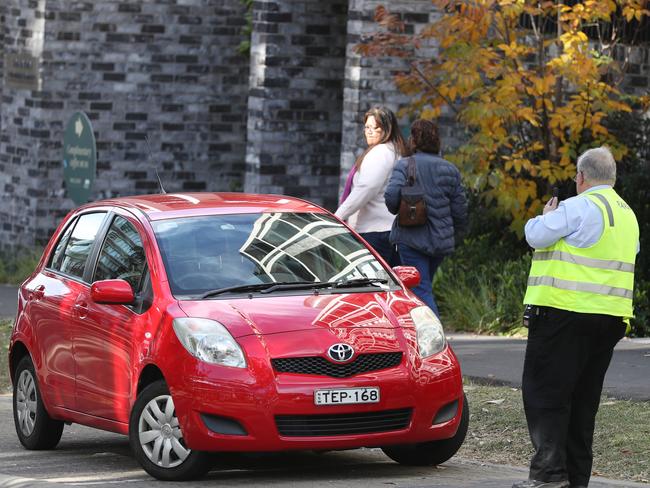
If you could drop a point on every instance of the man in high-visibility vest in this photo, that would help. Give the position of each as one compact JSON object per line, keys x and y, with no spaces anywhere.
{"x":578,"y":298}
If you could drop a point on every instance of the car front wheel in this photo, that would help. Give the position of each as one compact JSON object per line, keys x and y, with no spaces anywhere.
{"x":157,"y":441}
{"x":434,"y":452}
{"x":35,"y":428}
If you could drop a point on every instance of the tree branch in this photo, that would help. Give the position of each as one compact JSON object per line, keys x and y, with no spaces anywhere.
{"x":426,"y":81}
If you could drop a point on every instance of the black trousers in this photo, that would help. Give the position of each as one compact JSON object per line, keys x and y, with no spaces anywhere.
{"x":567,"y":356}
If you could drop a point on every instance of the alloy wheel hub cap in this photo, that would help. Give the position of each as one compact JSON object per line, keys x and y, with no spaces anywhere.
{"x":26,"y":402}
{"x":160,"y":434}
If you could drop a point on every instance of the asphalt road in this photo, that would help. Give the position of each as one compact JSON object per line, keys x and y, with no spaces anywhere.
{"x":88,"y":457}
{"x":8,"y":301}
{"x":500,"y":360}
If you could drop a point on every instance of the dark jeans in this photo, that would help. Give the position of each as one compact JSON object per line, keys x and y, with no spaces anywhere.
{"x":380,"y":243}
{"x":567,"y":356}
{"x":427,"y":266}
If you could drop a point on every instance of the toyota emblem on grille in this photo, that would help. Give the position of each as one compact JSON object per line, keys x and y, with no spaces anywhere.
{"x":340,"y":352}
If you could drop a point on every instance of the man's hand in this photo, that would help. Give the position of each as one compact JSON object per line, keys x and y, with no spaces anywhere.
{"x":550,"y":205}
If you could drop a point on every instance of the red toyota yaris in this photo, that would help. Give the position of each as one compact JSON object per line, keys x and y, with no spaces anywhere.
{"x":206,"y":322}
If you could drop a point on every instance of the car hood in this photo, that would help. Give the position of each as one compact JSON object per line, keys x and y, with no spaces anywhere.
{"x":279,"y":314}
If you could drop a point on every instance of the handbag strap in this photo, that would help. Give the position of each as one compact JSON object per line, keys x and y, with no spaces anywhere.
{"x":411,"y":171}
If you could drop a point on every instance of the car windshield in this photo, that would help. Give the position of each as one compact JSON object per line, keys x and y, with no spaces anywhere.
{"x":211,"y":253}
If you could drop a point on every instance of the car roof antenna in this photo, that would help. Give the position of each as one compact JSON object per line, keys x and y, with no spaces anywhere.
{"x":162,"y":189}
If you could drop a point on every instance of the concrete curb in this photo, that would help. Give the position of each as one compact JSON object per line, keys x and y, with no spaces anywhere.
{"x":459,"y":337}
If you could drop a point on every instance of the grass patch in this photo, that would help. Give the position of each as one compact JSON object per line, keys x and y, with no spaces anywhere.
{"x":17,"y":266}
{"x":498,"y":433}
{"x":5,"y":333}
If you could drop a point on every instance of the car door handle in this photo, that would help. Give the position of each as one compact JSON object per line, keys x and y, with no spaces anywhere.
{"x":37,"y":293}
{"x":82,"y":309}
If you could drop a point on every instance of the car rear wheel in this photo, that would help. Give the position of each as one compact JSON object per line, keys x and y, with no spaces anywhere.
{"x":35,"y":428}
{"x":157,"y":441}
{"x":434,"y":452}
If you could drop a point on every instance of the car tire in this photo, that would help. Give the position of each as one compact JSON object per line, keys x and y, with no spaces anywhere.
{"x":36,"y":430}
{"x":157,"y":441}
{"x":434,"y":452}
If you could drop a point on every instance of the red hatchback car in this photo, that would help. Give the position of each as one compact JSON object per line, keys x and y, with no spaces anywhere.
{"x":207,"y":322}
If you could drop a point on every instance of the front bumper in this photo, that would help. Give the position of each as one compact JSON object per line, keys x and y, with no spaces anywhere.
{"x":254,"y":397}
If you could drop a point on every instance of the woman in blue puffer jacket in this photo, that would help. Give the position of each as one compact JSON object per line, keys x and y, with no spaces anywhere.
{"x":425,"y":246}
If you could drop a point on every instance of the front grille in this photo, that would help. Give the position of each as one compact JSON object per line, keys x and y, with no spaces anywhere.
{"x":342,"y":424}
{"x":321,"y":366}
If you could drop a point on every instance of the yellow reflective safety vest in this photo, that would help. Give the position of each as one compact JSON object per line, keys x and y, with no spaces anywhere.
{"x":595,"y":279}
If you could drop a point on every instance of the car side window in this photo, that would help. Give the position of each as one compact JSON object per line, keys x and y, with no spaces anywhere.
{"x":72,"y":260}
{"x":122,"y":255}
{"x":57,"y":255}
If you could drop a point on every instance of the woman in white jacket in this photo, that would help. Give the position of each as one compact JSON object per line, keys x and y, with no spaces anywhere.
{"x":364,"y":190}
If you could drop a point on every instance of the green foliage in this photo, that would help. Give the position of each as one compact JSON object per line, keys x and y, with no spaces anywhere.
{"x":244,"y":47}
{"x":474,"y":287}
{"x":18,"y":265}
{"x":481,"y":287}
{"x":633,"y":184}
{"x":641,"y":321}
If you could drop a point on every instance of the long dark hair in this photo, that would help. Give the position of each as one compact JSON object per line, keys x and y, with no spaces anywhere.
{"x":385,"y":119}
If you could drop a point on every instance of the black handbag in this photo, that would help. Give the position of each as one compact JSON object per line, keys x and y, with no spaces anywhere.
{"x":412,"y":207}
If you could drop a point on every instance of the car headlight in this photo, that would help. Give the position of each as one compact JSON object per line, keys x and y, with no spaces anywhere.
{"x":209,"y":341}
{"x":431,"y":337}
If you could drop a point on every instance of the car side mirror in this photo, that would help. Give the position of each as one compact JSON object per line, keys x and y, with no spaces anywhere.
{"x":409,"y":275}
{"x":116,"y":292}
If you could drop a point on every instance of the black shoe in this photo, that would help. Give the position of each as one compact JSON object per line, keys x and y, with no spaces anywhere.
{"x":541,"y":484}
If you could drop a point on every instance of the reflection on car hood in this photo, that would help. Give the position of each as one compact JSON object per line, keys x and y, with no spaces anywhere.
{"x":272,"y":315}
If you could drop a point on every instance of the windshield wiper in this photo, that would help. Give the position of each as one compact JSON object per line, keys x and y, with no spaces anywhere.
{"x":261,"y":287}
{"x":358,"y":282}
{"x":249,"y":287}
{"x":297,"y":285}
{"x":294,"y":285}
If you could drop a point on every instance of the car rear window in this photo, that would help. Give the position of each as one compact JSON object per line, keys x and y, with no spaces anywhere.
{"x":218,"y":251}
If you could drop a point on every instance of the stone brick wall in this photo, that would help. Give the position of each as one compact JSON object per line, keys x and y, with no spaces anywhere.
{"x":288,"y":119}
{"x":3,"y":15}
{"x":25,"y":129}
{"x":369,"y":81}
{"x":163,"y":69}
{"x":295,"y":98}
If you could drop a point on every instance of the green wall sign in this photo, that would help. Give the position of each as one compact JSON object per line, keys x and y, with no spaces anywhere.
{"x":79,"y":158}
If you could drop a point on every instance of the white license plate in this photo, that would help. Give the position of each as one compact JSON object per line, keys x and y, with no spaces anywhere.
{"x":346,"y":396}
